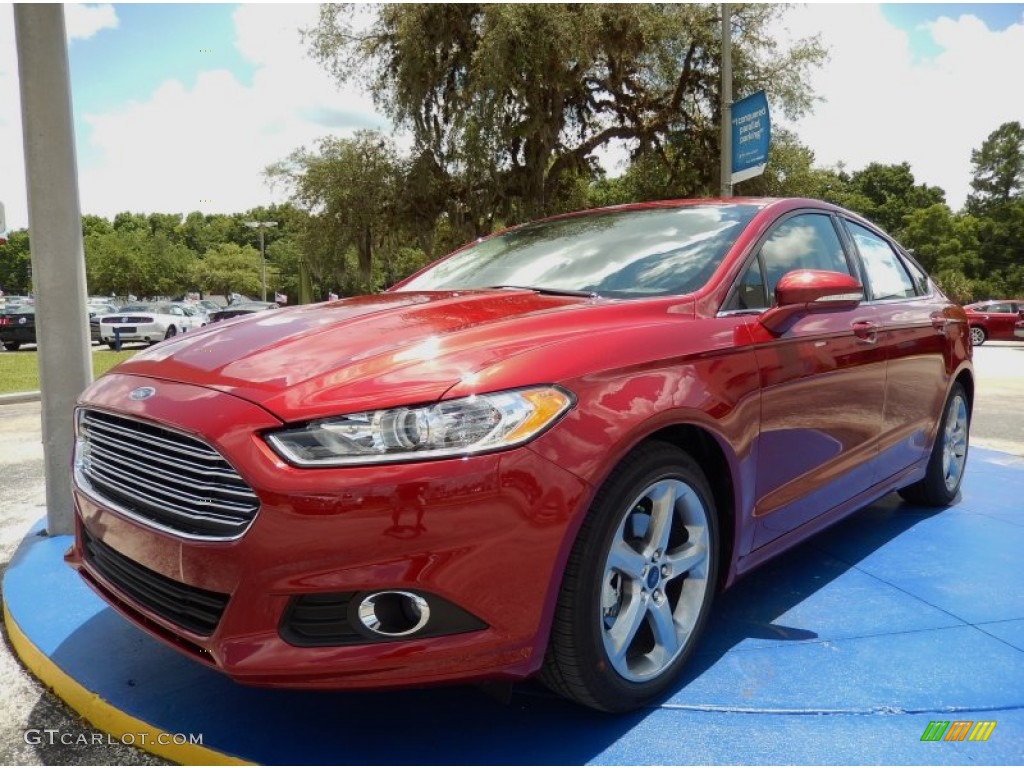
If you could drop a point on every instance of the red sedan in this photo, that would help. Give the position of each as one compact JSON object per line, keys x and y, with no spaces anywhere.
{"x":544,"y":453}
{"x":994,"y":319}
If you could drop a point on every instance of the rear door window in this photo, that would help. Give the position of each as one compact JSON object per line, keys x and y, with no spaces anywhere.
{"x":887,"y":276}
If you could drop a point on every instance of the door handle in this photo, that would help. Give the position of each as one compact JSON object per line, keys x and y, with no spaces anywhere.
{"x":865,"y":331}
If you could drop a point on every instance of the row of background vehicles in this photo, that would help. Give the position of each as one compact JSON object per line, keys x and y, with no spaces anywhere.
{"x":109,"y":322}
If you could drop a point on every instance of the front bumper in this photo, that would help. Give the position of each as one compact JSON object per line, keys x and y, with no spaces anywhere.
{"x":487,"y":534}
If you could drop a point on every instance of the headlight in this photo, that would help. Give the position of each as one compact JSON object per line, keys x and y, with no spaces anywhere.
{"x":462,"y":427}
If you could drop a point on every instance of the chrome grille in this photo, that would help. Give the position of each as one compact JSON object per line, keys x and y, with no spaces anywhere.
{"x":160,"y":476}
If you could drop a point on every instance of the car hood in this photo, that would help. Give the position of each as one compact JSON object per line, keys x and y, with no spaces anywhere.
{"x":367,"y":352}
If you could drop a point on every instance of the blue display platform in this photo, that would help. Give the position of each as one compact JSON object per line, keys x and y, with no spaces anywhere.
{"x":841,"y":652}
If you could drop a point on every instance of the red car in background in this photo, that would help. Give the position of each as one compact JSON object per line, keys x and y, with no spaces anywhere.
{"x":994,"y":319}
{"x":544,"y":453}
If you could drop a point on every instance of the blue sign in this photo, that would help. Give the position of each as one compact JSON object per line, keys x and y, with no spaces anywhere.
{"x":751,"y":133}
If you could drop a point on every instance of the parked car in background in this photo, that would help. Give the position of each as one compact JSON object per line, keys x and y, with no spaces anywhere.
{"x":96,"y":311}
{"x":196,"y":312}
{"x":993,"y":319}
{"x":544,"y":453}
{"x":147,"y":323}
{"x":242,"y":308}
{"x":18,"y":326}
{"x":1018,"y":329}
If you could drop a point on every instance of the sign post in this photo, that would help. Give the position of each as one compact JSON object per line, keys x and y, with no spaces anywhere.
{"x":751,"y":135}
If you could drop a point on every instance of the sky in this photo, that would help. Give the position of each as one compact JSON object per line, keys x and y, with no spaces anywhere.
{"x":180,"y":108}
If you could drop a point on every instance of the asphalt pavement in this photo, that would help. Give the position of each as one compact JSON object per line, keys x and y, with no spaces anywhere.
{"x":28,"y":711}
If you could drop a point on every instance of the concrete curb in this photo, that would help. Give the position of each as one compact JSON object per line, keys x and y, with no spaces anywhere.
{"x":19,"y":397}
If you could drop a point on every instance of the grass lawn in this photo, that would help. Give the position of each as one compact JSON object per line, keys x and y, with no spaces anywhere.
{"x":19,"y":371}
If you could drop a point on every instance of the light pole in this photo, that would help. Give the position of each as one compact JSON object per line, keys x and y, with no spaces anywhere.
{"x":262,"y":225}
{"x":726,"y":141}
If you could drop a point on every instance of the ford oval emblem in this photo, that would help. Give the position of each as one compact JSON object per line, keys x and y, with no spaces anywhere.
{"x":142,"y":393}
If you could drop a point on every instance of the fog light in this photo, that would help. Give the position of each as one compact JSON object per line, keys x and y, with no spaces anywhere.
{"x":394,"y":614}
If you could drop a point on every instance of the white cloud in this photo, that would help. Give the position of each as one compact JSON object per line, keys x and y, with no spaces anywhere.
{"x":885,"y":104}
{"x":208,"y":141}
{"x":205,"y":147}
{"x":84,"y":21}
{"x":80,"y":22}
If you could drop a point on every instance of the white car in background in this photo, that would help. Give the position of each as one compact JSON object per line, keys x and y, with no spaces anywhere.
{"x":147,"y":323}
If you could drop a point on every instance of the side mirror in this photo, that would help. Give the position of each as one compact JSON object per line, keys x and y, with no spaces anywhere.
{"x":804,"y":291}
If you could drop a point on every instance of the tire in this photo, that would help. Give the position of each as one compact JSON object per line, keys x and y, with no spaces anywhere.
{"x":941,"y":482}
{"x":112,"y":345}
{"x":12,"y":346}
{"x":978,"y":335}
{"x":636,"y":594}
{"x":171,"y":332}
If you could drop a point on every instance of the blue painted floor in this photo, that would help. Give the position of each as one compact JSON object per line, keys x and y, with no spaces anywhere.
{"x":841,"y":652}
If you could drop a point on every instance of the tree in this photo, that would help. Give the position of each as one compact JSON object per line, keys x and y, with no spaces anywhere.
{"x":997,"y":168}
{"x":886,"y":194}
{"x":507,"y":103}
{"x":351,"y":188}
{"x":943,"y":241}
{"x":16,"y":263}
{"x":131,"y":260}
{"x":229,"y":268}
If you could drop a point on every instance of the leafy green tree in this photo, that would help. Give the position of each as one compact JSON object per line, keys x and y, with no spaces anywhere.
{"x":16,"y":264}
{"x":130,"y":222}
{"x":886,"y":194}
{"x":942,"y":240}
{"x":95,"y":225}
{"x":998,"y":168}
{"x":229,"y":268}
{"x":506,"y":102}
{"x":283,"y":257}
{"x":133,"y":261}
{"x":351,"y":188}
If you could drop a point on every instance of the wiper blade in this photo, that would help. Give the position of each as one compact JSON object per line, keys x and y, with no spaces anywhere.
{"x":548,"y":291}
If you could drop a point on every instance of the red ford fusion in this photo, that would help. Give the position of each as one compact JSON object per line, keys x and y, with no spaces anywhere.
{"x":543,"y":454}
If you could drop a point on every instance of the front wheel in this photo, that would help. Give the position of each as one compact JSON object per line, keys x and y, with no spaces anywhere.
{"x":171,"y":332}
{"x":978,"y":335}
{"x":941,"y":482}
{"x":638,"y":585}
{"x":12,"y":346}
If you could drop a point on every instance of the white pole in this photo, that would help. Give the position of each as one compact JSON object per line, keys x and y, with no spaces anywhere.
{"x":55,"y":233}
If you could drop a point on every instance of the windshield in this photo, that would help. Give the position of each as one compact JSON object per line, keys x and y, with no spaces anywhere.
{"x":618,"y":254}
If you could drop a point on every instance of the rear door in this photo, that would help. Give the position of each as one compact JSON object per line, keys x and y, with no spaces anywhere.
{"x":823,"y":383}
{"x":915,"y":335}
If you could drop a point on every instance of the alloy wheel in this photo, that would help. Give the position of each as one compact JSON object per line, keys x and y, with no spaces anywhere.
{"x":954,"y":442}
{"x":655,"y":580}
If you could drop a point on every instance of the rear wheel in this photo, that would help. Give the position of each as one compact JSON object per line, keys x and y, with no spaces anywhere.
{"x":12,"y":346}
{"x":941,"y":482}
{"x":638,"y":585}
{"x":171,"y":332}
{"x":978,"y":335}
{"x":112,"y":345}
